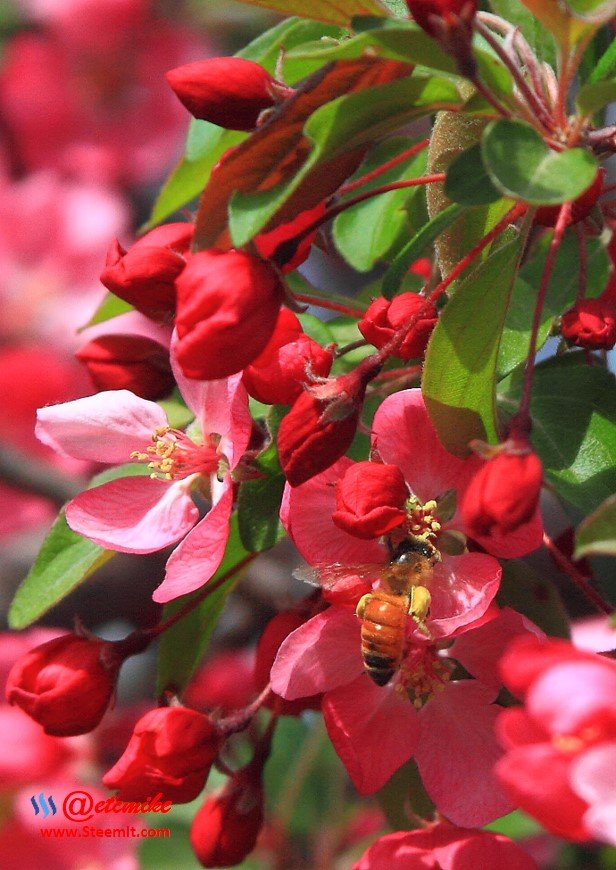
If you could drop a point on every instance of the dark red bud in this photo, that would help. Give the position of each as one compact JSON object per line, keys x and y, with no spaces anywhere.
{"x":370,"y":499}
{"x":384,"y":317}
{"x":65,"y":684}
{"x":171,"y":751}
{"x":591,"y":323}
{"x":288,"y":361}
{"x":547,"y":215}
{"x":128,"y":362}
{"x":504,"y":493}
{"x":227,"y":307}
{"x":228,"y":91}
{"x":423,"y":12}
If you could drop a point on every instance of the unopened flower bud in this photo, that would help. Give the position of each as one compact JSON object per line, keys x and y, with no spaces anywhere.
{"x":384,"y":317}
{"x":227,"y":307}
{"x":228,"y":91}
{"x":171,"y":751}
{"x":321,"y":425}
{"x":226,"y":828}
{"x":145,"y":275}
{"x":591,"y":323}
{"x":370,"y":499}
{"x":128,"y":362}
{"x":288,"y":361}
{"x":547,"y":215}
{"x":504,"y":493}
{"x":281,"y":245}
{"x":425,"y":11}
{"x":65,"y":684}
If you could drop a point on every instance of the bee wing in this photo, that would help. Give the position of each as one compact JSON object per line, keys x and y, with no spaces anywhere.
{"x":326,"y":576}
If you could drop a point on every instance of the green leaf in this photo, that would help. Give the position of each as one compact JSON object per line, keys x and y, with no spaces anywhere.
{"x":597,"y":533}
{"x":467,"y":181}
{"x":64,"y":562}
{"x":459,"y":374}
{"x":110,"y":307}
{"x":521,"y":165}
{"x":606,"y":66}
{"x":405,"y":786}
{"x":259,"y":500}
{"x":416,"y":246}
{"x":341,"y":126}
{"x":367,"y":232}
{"x":182,"y":646}
{"x":595,"y":96}
{"x":561,"y":294}
{"x":341,"y":12}
{"x":206,"y":143}
{"x":573,"y":408}
{"x":535,"y":596}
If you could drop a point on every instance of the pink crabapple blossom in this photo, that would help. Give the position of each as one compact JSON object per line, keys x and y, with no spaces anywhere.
{"x":560,"y":760}
{"x":138,"y":514}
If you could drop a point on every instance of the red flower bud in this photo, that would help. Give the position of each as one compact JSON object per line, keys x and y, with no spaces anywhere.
{"x":321,"y":425}
{"x":128,"y":362}
{"x":591,"y":323}
{"x":384,"y":317}
{"x":65,"y":684}
{"x":171,"y":751}
{"x":547,"y":215}
{"x":370,"y":499}
{"x":290,"y":357}
{"x":227,"y":307}
{"x":226,"y":828}
{"x":423,"y":11}
{"x":504,"y":493}
{"x":276,"y":630}
{"x":228,"y":91}
{"x":280,"y":244}
{"x":145,"y":275}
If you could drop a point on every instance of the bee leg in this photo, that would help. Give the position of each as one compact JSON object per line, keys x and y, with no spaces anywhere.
{"x":419,"y":607}
{"x":362,"y":604}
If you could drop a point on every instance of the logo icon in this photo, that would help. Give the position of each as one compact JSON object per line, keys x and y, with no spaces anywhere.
{"x":47,"y":805}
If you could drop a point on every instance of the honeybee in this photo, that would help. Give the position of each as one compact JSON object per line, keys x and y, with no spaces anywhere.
{"x":402,"y":592}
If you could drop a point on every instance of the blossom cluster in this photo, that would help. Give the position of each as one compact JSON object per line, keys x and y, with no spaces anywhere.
{"x":219,"y":405}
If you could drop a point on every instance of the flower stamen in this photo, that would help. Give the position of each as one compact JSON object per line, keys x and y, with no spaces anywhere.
{"x":173,"y":455}
{"x":421,"y":521}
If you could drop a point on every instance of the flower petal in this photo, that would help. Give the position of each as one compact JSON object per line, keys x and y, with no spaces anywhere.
{"x":199,"y":555}
{"x":373,"y":730}
{"x":479,"y":649}
{"x":106,"y":427}
{"x":456,"y":752}
{"x":133,"y":514}
{"x":307,"y":516}
{"x":404,"y":436}
{"x":462,"y":589}
{"x":322,"y":654}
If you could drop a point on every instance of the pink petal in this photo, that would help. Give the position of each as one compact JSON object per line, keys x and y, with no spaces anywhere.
{"x":307,"y":515}
{"x":131,"y":323}
{"x":593,"y":778}
{"x":514,"y":727}
{"x":480,"y":649}
{"x":462,"y":589}
{"x":456,"y":752}
{"x":520,"y":542}
{"x":220,"y":406}
{"x":320,"y":655}
{"x":199,"y":555}
{"x":133,"y":514}
{"x":594,"y":634}
{"x":373,"y":730}
{"x":536,"y":778}
{"x":106,"y":427}
{"x":404,"y":436}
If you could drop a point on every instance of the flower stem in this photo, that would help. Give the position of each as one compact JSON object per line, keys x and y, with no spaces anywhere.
{"x":522,"y":418}
{"x":385,"y":167}
{"x":567,"y":566}
{"x":320,"y":302}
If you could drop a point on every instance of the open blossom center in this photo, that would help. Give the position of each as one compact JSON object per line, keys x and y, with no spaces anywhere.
{"x":422,"y":522}
{"x":422,"y":675}
{"x":173,"y":455}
